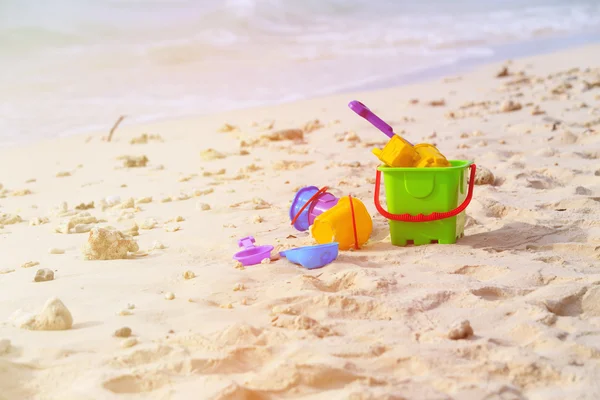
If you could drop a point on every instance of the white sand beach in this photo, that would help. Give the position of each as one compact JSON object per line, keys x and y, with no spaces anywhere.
{"x":378,"y":322}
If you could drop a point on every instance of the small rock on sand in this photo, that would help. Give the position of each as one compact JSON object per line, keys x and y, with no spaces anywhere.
{"x":134,"y":161}
{"x":83,"y":228}
{"x":54,"y":317}
{"x":84,"y":206}
{"x":124,"y":332}
{"x":9,"y":219}
{"x":35,"y":221}
{"x":503,"y":72}
{"x":104,"y":244}
{"x":202,"y":206}
{"x":149,"y":223}
{"x":509,"y":106}
{"x":537,"y":111}
{"x":227,"y":128}
{"x":125,"y":204}
{"x":4,"y":271}
{"x":23,"y":192}
{"x":143,"y":200}
{"x":312,"y":126}
{"x":437,"y":103}
{"x":169,"y":296}
{"x":144,"y":138}
{"x":483,"y":176}
{"x":30,"y":264}
{"x":63,"y":174}
{"x":182,"y":196}
{"x":286,"y":134}
{"x":239,"y":287}
{"x":199,"y":192}
{"x":460,"y":330}
{"x":172,"y":228}
{"x":189,"y":275}
{"x":44,"y":275}
{"x":54,"y":250}
{"x":81,"y":223}
{"x":158,"y":245}
{"x":211,"y":154}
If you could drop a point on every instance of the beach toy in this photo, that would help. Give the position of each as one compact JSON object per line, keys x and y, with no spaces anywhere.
{"x":308,"y":203}
{"x":370,"y":116}
{"x":426,"y":205}
{"x":430,"y":156}
{"x":312,"y":257}
{"x":251,"y":254}
{"x":348,"y":223}
{"x":399,"y":152}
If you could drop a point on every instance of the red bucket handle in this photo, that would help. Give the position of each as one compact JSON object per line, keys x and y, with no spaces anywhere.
{"x":435,"y":216}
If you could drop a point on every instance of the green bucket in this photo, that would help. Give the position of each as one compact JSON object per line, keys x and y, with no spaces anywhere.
{"x":426,"y":205}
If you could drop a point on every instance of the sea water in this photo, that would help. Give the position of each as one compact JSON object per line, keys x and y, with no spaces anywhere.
{"x":70,"y":66}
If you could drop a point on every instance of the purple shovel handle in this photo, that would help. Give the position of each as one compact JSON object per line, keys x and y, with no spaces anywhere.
{"x":367,"y":114}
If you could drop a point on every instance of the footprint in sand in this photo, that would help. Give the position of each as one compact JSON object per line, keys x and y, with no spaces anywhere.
{"x":562,"y":300}
{"x":552,"y":260}
{"x":142,"y":357}
{"x":588,"y":155}
{"x":537,"y":180}
{"x":136,"y":383}
{"x":482,"y":272}
{"x":237,"y":361}
{"x":576,"y":250}
{"x":287,"y":375}
{"x":361,"y":281}
{"x":494,"y":293}
{"x":337,"y":307}
{"x":584,"y":205}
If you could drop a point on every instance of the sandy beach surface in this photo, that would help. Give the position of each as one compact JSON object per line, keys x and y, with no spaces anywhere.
{"x":383,"y":322}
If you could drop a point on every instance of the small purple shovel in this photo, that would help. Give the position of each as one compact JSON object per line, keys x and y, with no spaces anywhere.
{"x":367,"y":114}
{"x":252,"y":254}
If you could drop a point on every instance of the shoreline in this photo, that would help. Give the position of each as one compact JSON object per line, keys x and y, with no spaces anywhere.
{"x":174,"y":316}
{"x":502,"y":52}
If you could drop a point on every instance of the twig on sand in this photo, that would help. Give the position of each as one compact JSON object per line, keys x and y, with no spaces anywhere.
{"x":115,"y":126}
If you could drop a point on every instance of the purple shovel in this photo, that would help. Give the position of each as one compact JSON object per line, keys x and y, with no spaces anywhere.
{"x":367,"y":114}
{"x":251,"y":254}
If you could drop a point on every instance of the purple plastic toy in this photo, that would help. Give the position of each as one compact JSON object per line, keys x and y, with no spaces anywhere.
{"x":370,"y":116}
{"x":322,"y":203}
{"x":251,"y":254}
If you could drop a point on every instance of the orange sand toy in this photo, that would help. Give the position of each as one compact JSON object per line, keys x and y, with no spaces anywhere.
{"x":430,"y":156}
{"x":398,"y":153}
{"x":348,"y":223}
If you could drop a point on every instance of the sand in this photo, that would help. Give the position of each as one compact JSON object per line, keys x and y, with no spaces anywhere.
{"x":512,"y":311}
